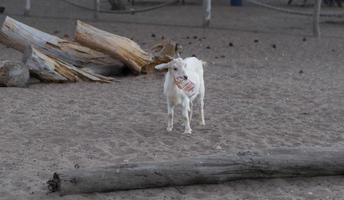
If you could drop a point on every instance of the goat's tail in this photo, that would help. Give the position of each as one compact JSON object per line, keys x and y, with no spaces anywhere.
{"x":204,"y":63}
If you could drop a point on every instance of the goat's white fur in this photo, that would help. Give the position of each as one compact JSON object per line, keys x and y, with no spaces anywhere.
{"x":192,"y":68}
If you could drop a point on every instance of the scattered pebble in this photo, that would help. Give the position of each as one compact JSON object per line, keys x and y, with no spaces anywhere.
{"x":274,"y":46}
{"x":153,"y":35}
{"x":2,"y":9}
{"x":256,"y":41}
{"x":200,"y":39}
{"x":76,"y":166}
{"x":216,"y":57}
{"x":187,"y":37}
{"x":218,"y":147}
{"x":208,"y":47}
{"x":190,"y":43}
{"x":301,"y":71}
{"x":310,"y":193}
{"x":195,"y":37}
{"x":223,"y":56}
{"x":333,"y":50}
{"x":230,"y":44}
{"x":304,"y":39}
{"x":204,"y":38}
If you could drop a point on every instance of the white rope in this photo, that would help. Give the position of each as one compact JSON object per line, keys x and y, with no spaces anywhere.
{"x":131,"y":11}
{"x":295,"y":12}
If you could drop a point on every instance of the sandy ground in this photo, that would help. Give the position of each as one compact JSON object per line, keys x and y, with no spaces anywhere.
{"x":256,"y":98}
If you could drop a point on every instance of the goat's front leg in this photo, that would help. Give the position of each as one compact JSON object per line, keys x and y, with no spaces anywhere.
{"x":190,"y":113}
{"x":170,"y":111}
{"x":186,"y":109}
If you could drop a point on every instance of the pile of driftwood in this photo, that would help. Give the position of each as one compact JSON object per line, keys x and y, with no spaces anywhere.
{"x":95,"y":55}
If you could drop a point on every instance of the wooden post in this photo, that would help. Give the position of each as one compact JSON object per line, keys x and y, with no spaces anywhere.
{"x":206,"y":13}
{"x":316,"y":18}
{"x":27,"y":8}
{"x":271,"y":163}
{"x":96,"y":8}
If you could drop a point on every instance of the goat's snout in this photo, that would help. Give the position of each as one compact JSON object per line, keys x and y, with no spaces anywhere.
{"x":185,"y":77}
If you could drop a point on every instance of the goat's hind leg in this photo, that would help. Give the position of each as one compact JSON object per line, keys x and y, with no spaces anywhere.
{"x":201,"y":99}
{"x":202,"y":112}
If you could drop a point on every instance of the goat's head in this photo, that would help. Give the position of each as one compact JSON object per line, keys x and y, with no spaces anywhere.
{"x":177,"y":68}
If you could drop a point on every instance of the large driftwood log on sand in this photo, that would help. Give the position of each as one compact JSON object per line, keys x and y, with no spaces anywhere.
{"x":121,"y":48}
{"x":48,"y":69}
{"x":124,"y":49}
{"x":20,"y":36}
{"x":273,"y":163}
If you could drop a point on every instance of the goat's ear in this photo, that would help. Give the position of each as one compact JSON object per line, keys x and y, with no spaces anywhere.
{"x":162,"y":66}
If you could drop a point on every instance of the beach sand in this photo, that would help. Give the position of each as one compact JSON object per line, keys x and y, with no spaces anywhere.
{"x":257,"y":97}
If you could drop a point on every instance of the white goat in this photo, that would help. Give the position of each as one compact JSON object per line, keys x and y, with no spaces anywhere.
{"x":183,"y":83}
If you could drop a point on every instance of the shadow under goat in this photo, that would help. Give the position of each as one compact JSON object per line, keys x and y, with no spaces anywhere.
{"x":184,"y":82}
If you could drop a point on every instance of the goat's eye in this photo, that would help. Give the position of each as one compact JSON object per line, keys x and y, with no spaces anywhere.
{"x":175,"y":69}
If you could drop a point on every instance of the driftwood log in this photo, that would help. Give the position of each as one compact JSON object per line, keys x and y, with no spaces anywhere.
{"x":13,"y":74}
{"x":273,"y":163}
{"x":126,"y":50}
{"x":121,"y":48}
{"x":20,"y":36}
{"x":48,"y":69}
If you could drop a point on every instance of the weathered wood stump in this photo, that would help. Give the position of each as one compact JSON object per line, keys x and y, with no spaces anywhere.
{"x":273,"y":163}
{"x":13,"y":74}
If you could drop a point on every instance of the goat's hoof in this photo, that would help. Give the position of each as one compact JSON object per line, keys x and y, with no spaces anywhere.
{"x":203,"y":123}
{"x":188,"y":131}
{"x":169,"y":129}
